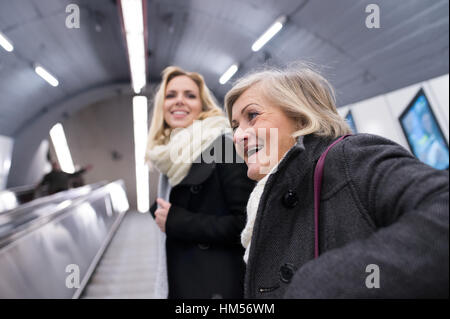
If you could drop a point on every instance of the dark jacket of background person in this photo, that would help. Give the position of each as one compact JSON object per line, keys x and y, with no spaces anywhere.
{"x":379,"y":205}
{"x":208,"y":213}
{"x":57,"y":180}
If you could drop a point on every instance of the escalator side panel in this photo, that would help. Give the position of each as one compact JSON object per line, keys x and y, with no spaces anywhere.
{"x":34,"y":266}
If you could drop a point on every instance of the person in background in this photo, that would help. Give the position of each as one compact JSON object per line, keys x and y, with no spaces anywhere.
{"x":77,"y":181}
{"x":56,"y":180}
{"x":200,"y":208}
{"x":382,"y":227}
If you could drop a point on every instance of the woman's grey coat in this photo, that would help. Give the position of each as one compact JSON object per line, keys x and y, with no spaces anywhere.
{"x":383,"y":221}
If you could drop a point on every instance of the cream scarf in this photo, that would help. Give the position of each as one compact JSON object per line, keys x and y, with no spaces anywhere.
{"x":185,"y":145}
{"x":252,"y":209}
{"x":253,"y":204}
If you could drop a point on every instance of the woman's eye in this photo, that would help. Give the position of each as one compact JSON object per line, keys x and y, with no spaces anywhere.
{"x":169,"y":96}
{"x":252,"y":115}
{"x":190,"y":95}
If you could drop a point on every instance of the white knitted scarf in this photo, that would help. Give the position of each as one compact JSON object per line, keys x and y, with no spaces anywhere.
{"x":253,"y":204}
{"x":252,"y":209}
{"x":185,"y":145}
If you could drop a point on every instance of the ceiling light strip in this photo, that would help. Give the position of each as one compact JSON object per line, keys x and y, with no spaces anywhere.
{"x":228,"y":74}
{"x":132,"y":12}
{"x":140,"y":126}
{"x":6,"y":43}
{"x":62,"y":148}
{"x":47,"y":76}
{"x":269,"y":33}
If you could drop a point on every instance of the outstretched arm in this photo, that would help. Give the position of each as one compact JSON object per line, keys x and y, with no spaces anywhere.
{"x":408,"y":201}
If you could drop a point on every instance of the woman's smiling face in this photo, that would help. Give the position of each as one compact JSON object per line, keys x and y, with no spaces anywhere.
{"x":182,"y":102}
{"x":262,"y":132}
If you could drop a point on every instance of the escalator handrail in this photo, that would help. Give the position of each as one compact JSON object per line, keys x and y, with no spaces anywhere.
{"x":32,"y":225}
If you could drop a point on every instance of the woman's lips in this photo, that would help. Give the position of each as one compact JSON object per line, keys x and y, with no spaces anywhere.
{"x":252,"y":151}
{"x":179,"y":114}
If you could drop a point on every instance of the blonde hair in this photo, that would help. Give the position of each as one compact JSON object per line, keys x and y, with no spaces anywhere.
{"x":159,"y":130}
{"x":301,"y":92}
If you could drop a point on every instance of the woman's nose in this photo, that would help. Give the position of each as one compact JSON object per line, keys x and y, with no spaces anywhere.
{"x":179,"y":100}
{"x":239,"y":136}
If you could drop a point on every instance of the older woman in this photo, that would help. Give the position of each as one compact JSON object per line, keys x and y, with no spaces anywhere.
{"x":202,"y":193}
{"x":382,"y":228}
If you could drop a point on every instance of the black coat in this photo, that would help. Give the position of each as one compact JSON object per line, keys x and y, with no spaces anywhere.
{"x":379,"y":206}
{"x":204,"y":223}
{"x":58,"y":180}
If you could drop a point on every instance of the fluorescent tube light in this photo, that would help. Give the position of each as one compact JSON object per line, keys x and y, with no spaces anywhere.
{"x":133,"y":18}
{"x":140,"y":143}
{"x":269,"y":34}
{"x":6,"y":43}
{"x":136,"y":54}
{"x":133,"y":21}
{"x":228,"y":74}
{"x":47,"y":76}
{"x":61,"y":148}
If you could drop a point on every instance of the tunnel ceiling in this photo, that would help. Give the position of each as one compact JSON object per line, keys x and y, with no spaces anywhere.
{"x":207,"y":36}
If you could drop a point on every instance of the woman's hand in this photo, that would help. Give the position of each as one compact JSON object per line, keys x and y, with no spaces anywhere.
{"x":161,"y":213}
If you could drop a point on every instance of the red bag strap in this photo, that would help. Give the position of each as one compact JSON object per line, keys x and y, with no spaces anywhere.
{"x":318,"y":173}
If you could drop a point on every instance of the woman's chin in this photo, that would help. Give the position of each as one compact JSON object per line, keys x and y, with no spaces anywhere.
{"x":180,"y":123}
{"x":254,"y":173}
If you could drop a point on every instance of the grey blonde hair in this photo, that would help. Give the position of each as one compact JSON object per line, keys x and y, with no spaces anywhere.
{"x":301,"y":92}
{"x":159,"y":131}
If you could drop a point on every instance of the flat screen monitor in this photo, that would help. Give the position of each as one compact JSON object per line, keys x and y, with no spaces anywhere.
{"x":351,"y":122}
{"x":423,"y":133}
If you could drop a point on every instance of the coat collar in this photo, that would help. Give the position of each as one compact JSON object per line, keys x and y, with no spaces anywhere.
{"x":314,"y":146}
{"x":293,"y":168}
{"x":201,"y":169}
{"x":198,"y":173}
{"x":306,"y":151}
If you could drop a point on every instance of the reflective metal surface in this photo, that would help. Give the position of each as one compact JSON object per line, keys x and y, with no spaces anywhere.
{"x":14,"y":207}
{"x":7,"y":201}
{"x":37,"y":245}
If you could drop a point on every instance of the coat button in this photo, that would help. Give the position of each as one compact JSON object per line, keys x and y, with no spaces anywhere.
{"x":203,"y":246}
{"x":195,"y":189}
{"x":287,"y":272}
{"x":290,"y":199}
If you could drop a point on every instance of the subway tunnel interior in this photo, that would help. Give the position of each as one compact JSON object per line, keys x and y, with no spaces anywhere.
{"x":376,"y":70}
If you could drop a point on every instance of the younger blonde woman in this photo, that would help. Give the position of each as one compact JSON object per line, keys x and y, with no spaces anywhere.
{"x":202,"y":193}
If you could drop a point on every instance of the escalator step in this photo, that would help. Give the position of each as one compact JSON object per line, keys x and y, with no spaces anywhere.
{"x":127,"y":267}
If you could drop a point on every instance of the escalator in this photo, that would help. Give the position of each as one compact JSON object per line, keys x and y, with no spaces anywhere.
{"x":127,"y":268}
{"x":77,"y":243}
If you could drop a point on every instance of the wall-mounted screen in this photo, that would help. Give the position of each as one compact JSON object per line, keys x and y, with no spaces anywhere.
{"x":423,"y":132}
{"x":351,"y":122}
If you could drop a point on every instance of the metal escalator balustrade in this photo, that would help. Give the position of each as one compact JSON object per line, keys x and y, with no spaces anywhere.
{"x":40,"y":257}
{"x":21,"y":219}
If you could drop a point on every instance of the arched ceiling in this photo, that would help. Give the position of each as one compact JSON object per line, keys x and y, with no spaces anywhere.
{"x":207,"y":36}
